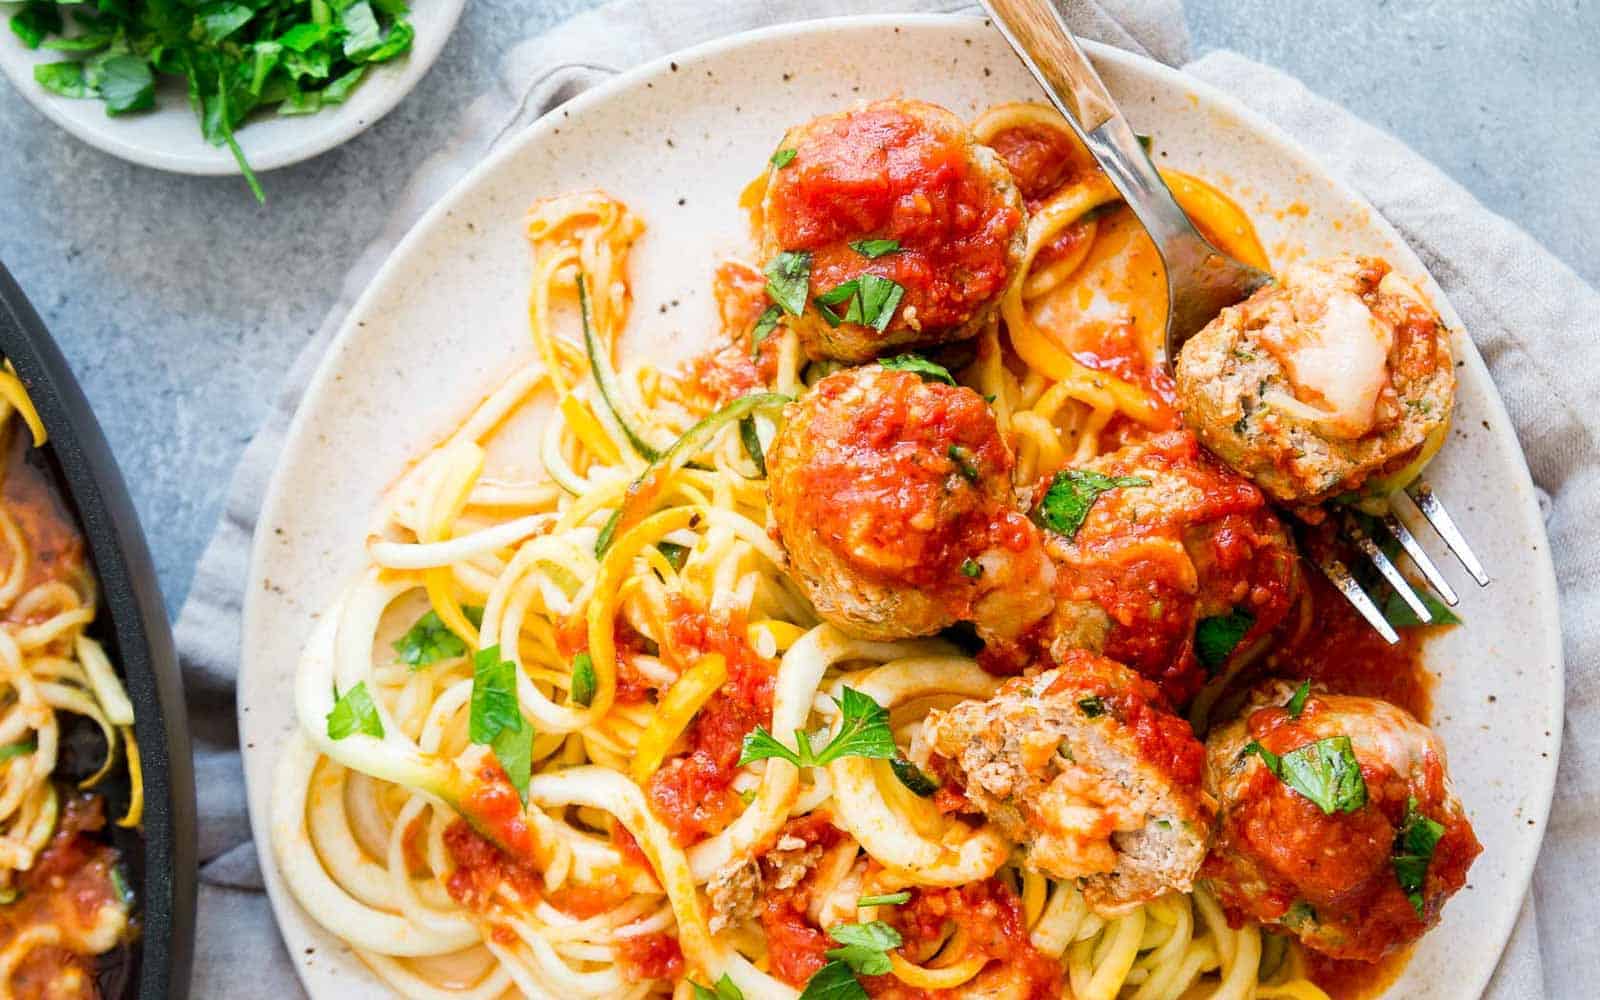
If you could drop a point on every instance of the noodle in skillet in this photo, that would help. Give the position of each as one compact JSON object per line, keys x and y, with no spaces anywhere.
{"x":641,"y":561}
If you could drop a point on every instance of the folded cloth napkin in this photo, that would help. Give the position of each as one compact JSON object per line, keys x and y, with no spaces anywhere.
{"x":1529,"y":315}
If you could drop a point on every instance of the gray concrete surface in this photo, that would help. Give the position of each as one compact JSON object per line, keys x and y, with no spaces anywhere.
{"x":180,"y":303}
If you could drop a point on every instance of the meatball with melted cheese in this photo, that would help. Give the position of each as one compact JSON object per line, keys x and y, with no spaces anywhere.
{"x":1159,"y":560}
{"x":1087,"y":767}
{"x":1335,"y":381}
{"x":892,"y":497}
{"x":908,"y":230}
{"x":1337,"y":822}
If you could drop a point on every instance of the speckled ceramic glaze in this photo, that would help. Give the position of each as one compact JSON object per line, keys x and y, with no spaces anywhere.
{"x":677,"y":139}
{"x":168,"y":138}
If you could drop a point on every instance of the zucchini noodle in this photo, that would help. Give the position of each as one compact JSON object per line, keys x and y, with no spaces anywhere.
{"x":601,"y":554}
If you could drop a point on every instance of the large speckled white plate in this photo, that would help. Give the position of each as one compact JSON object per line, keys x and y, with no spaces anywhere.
{"x":677,"y":139}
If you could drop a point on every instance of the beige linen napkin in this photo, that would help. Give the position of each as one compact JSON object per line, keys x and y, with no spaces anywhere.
{"x":1524,"y":308}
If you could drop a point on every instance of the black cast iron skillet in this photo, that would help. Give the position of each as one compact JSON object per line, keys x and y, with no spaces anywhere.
{"x":133,"y":625}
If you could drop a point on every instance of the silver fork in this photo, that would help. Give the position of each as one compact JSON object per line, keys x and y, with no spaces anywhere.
{"x":1202,"y":281}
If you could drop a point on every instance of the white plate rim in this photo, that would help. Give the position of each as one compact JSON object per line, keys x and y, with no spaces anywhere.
{"x":1548,"y":629}
{"x":384,"y":87}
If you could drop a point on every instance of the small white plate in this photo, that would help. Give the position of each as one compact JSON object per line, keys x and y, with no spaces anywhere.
{"x":168,"y":137}
{"x":677,"y":139}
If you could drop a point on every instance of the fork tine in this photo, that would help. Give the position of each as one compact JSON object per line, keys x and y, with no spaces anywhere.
{"x":1413,"y":548}
{"x":1397,"y":580}
{"x":1340,"y":577}
{"x":1429,"y":504}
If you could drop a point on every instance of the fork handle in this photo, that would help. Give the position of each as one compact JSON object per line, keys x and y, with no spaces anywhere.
{"x":1041,"y":39}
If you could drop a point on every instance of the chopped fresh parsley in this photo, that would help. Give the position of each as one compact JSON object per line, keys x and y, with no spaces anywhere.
{"x":886,"y":899}
{"x":1298,"y":914}
{"x":750,"y":438}
{"x":1072,"y":492}
{"x":783,"y":157}
{"x":1215,"y":638}
{"x":583,"y":679}
{"x":789,"y":279}
{"x":966,"y":462}
{"x":765,"y":324}
{"x":723,"y":990}
{"x":354,"y":713}
{"x":875,"y":248}
{"x":872,"y":300}
{"x":428,"y":641}
{"x":864,"y":732}
{"x":971,"y":568}
{"x":1297,"y":701}
{"x":1400,"y":615}
{"x":21,"y":748}
{"x":834,"y":981}
{"x":238,"y":59}
{"x":1413,"y":850}
{"x":912,"y":777}
{"x":866,"y":946}
{"x":929,"y":370}
{"x":496,"y":720}
{"x":1092,"y":706}
{"x":1326,"y":772}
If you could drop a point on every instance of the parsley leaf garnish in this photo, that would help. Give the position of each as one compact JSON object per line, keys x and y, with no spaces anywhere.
{"x":874,"y":248}
{"x":1326,"y":772}
{"x":750,"y":440}
{"x":676,"y":554}
{"x":496,"y":719}
{"x":788,"y":280}
{"x":971,"y":568}
{"x":353,"y":713}
{"x":922,"y":366}
{"x":1216,"y":637}
{"x":783,"y":157}
{"x":427,"y":642}
{"x":966,"y":462}
{"x":723,"y":990}
{"x":237,"y":59}
{"x":866,"y":946}
{"x":864,"y":732}
{"x":886,"y":899}
{"x":1414,"y":845}
{"x":879,"y":298}
{"x":1072,"y":492}
{"x":1092,"y":706}
{"x":834,"y":981}
{"x":21,"y":748}
{"x":1297,"y":701}
{"x":765,"y":324}
{"x":583,"y":679}
{"x":1400,"y":615}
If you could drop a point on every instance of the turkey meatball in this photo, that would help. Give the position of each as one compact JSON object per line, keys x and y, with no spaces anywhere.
{"x":892,"y":497}
{"x":901,"y":228}
{"x":1336,"y":823}
{"x":1085,"y":766}
{"x":1173,"y":544}
{"x":1337,"y":381}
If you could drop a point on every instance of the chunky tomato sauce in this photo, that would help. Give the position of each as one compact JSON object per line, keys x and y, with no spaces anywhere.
{"x":1197,"y":541}
{"x":68,"y":886}
{"x":645,"y":957}
{"x":989,"y":916}
{"x":1361,"y":911}
{"x":795,"y":946}
{"x":896,"y":170}
{"x":693,"y":792}
{"x":903,"y":488}
{"x":1041,"y":158}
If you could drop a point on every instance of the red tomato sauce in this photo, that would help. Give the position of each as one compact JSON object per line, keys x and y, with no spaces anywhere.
{"x":67,"y":887}
{"x":54,"y":546}
{"x":649,"y":956}
{"x":1165,"y":740}
{"x":633,"y":687}
{"x":1041,"y":158}
{"x":885,"y":172}
{"x":795,"y":946}
{"x":990,"y":917}
{"x":693,"y":792}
